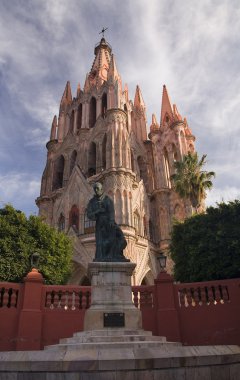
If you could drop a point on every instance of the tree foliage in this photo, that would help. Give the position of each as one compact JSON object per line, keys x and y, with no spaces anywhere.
{"x":190,"y":181}
{"x":207,"y":246}
{"x":20,"y":237}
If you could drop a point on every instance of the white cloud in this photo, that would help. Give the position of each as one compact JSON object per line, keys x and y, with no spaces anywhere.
{"x":224,"y":194}
{"x":19,"y":189}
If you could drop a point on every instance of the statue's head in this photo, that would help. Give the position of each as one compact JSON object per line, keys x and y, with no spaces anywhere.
{"x":97,"y":187}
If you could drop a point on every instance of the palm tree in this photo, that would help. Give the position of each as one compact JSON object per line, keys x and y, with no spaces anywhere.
{"x":190,"y":181}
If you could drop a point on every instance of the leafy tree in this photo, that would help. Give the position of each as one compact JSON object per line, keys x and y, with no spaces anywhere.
{"x":20,"y":237}
{"x":207,"y":246}
{"x":190,"y":181}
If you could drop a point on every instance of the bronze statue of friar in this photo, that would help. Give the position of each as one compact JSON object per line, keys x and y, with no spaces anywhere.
{"x":110,"y":241}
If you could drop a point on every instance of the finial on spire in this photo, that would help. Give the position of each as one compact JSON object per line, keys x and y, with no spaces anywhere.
{"x":103,"y":31}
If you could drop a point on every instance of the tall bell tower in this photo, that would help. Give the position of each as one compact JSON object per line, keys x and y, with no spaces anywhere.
{"x":101,"y":136}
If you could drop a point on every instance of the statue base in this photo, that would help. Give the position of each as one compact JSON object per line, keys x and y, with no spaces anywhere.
{"x":111,"y":298}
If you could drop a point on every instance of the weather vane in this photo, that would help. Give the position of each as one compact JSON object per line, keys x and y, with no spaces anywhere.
{"x":102,"y":31}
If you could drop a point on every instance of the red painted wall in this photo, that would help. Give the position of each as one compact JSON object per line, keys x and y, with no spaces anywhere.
{"x":33,"y":315}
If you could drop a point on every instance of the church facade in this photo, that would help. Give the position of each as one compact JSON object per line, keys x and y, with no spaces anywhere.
{"x":101,"y":136}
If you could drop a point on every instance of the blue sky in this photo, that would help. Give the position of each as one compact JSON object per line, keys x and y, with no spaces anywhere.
{"x":191,"y":46}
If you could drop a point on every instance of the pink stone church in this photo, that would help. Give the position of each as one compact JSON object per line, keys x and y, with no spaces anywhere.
{"x":102,"y":136}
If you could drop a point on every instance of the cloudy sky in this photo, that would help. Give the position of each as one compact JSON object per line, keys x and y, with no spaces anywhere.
{"x":191,"y":46}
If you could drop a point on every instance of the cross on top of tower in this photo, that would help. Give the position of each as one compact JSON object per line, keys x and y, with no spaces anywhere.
{"x":103,"y":31}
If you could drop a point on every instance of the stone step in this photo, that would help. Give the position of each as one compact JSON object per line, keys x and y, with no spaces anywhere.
{"x":113,"y":332}
{"x":111,"y":338}
{"x":110,"y":345}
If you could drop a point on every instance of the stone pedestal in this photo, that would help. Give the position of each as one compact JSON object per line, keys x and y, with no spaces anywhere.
{"x":111,"y":299}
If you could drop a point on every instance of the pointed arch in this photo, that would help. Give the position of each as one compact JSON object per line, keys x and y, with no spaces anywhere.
{"x":132,"y":161}
{"x":104,"y":105}
{"x":74,"y":217}
{"x":142,"y":170}
{"x":58,"y":173}
{"x":71,"y":127}
{"x":73,"y":160}
{"x":136,"y":222}
{"x":145,"y":229}
{"x":118,"y":208}
{"x":174,"y":152}
{"x":92,"y":112}
{"x":125,"y":207}
{"x":166,"y":168}
{"x":61,"y":222}
{"x":104,"y":152}
{"x":92,"y":155}
{"x":79,"y":117}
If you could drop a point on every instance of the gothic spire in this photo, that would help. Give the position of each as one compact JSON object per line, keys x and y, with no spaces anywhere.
{"x":54,"y":128}
{"x":166,"y":110}
{"x":113,"y":72}
{"x":138,"y":99}
{"x":78,"y":90}
{"x":99,"y":71}
{"x":154,"y":126}
{"x":67,"y":95}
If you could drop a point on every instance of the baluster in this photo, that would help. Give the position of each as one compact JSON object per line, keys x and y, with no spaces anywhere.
{"x":77,"y":300}
{"x":48,"y":298}
{"x":5,"y":297}
{"x":73,"y":301}
{"x":52,"y":299}
{"x":217,"y":294}
{"x":189,"y":297}
{"x":59,"y":304}
{"x":1,"y":297}
{"x":80,"y":300}
{"x":210,"y":295}
{"x":196,"y":296}
{"x":204,"y":298}
{"x":193,"y":303}
{"x":181,"y":299}
{"x":225,"y":294}
{"x":66,"y":301}
{"x":14,"y":298}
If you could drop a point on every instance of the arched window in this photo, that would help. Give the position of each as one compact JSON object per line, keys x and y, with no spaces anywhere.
{"x":145,"y":231}
{"x":132,"y":161}
{"x":151,"y":231}
{"x":104,"y":105}
{"x":89,"y":225}
{"x":166,"y":168}
{"x":79,"y":116}
{"x":58,"y":173}
{"x":104,"y":152}
{"x":142,"y":170}
{"x":92,"y":159}
{"x":74,"y":217}
{"x":72,"y":161}
{"x":92,"y":112}
{"x":136,"y":221}
{"x":174,"y":151}
{"x":71,"y":128}
{"x":61,"y":223}
{"x":125,"y":108}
